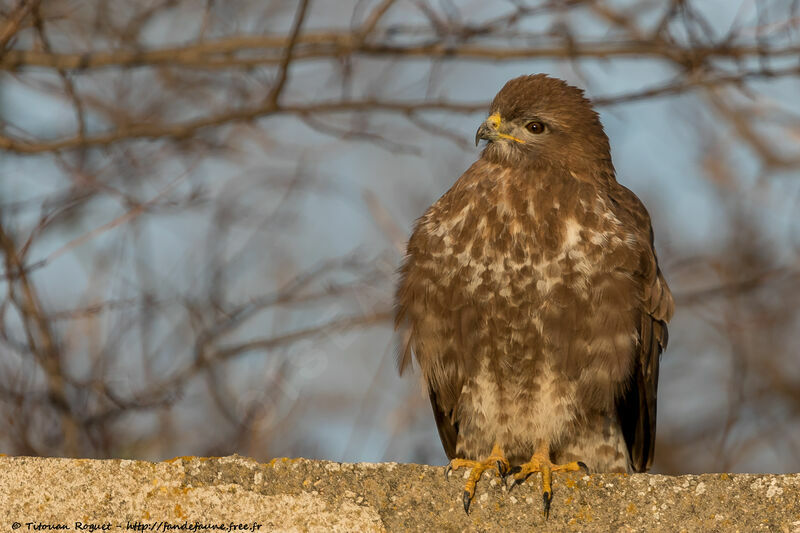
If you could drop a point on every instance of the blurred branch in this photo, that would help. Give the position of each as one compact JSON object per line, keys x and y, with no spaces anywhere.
{"x":410,"y":109}
{"x":40,"y":337}
{"x":373,"y":19}
{"x":741,"y":119}
{"x":738,"y":288}
{"x":695,"y":81}
{"x":222,"y":53}
{"x":334,"y":326}
{"x":163,"y":391}
{"x":283,"y":70}
{"x":131,"y":214}
{"x":13,"y":22}
{"x":188,"y":128}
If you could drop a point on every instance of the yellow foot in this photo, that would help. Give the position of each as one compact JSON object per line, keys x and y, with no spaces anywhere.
{"x":495,"y":461}
{"x":541,"y":463}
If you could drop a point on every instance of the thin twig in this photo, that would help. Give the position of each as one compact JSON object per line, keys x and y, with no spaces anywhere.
{"x":283,"y":70}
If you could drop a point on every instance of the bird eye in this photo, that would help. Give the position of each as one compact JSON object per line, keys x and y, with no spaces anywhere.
{"x":535,"y":127}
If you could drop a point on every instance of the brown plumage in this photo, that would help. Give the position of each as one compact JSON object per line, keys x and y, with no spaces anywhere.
{"x":531,"y":295}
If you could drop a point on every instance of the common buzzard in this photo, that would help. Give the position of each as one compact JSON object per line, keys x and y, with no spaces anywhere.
{"x":532,"y":299}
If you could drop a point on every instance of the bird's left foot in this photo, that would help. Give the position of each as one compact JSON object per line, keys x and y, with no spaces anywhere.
{"x":495,"y":461}
{"x":541,"y":463}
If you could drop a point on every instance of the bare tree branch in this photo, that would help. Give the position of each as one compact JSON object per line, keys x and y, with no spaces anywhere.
{"x":217,"y":54}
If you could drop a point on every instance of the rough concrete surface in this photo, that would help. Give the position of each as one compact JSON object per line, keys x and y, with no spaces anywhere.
{"x":240,"y":494}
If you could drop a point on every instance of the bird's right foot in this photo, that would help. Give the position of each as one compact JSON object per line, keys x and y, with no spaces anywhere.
{"x":495,"y":461}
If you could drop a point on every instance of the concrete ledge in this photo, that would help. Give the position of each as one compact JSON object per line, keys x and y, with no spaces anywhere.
{"x":198,"y":494}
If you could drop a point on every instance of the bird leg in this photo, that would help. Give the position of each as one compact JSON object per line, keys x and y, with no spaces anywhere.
{"x":540,"y":462}
{"x":496,"y":461}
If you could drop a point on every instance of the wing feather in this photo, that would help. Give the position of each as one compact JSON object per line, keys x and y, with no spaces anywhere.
{"x":443,"y":414}
{"x":636,"y":406}
{"x":438,"y":327}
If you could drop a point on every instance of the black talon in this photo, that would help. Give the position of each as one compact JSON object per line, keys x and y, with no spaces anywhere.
{"x":583,"y":467}
{"x":515,"y":470}
{"x":547,"y":497}
{"x":467,"y":499}
{"x":516,"y":483}
{"x":502,"y":470}
{"x":447,"y":472}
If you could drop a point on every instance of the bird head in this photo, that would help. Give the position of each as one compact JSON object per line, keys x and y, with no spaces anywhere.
{"x":542,"y":121}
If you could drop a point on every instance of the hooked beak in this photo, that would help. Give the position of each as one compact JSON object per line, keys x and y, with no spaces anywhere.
{"x":483,"y":133}
{"x":490,"y":130}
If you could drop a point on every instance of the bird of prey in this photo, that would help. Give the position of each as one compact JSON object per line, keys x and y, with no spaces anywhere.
{"x":532,"y":299}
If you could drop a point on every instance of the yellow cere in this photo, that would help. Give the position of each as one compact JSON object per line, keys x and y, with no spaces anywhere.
{"x":494,"y":122}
